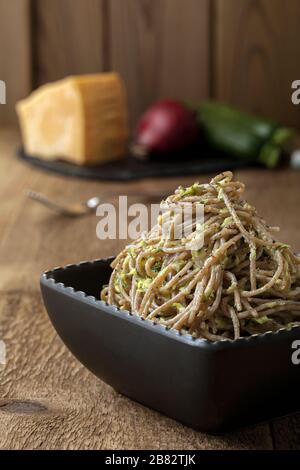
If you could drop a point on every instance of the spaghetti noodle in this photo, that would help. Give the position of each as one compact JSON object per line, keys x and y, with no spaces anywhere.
{"x":241,"y":282}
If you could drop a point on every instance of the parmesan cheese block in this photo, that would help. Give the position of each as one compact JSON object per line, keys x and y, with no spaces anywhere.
{"x":82,"y":119}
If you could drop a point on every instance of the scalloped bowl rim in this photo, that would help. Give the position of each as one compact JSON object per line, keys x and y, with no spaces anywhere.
{"x":185,"y":337}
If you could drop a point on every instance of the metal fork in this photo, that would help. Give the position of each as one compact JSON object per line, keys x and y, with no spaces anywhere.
{"x":78,"y":209}
{"x":71,"y":209}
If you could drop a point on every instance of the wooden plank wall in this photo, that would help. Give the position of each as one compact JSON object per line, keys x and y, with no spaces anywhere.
{"x":160,"y":47}
{"x":67,"y":38}
{"x":242,"y":51}
{"x":15,"y":54}
{"x":256,"y":55}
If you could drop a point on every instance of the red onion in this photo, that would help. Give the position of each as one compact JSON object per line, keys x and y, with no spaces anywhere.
{"x":167,"y":126}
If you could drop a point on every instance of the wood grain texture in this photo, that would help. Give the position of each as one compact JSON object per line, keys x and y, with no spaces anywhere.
{"x":161,"y":49}
{"x":15,"y":54}
{"x":68,"y":38}
{"x":256,"y":50}
{"x":48,"y":400}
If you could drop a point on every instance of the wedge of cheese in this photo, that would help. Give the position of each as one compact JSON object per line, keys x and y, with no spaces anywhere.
{"x":82,"y":119}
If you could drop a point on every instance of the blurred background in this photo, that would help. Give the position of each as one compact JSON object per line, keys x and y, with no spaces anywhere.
{"x":245,"y":52}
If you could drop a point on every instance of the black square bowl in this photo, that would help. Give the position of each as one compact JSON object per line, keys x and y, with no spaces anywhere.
{"x":212,"y":387}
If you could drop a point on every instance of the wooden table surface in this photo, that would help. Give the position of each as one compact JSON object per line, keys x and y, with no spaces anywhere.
{"x":48,"y":400}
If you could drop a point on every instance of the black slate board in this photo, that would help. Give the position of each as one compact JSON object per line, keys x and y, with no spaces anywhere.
{"x":195,"y":162}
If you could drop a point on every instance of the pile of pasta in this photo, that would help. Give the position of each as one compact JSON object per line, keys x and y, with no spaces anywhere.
{"x":241,"y":282}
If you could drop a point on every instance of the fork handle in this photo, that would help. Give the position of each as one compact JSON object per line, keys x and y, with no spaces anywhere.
{"x":41,"y":198}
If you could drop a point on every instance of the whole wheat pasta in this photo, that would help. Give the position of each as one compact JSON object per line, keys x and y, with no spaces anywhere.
{"x":240,"y":282}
